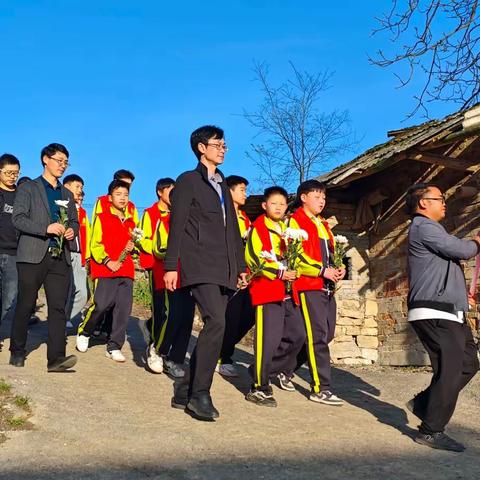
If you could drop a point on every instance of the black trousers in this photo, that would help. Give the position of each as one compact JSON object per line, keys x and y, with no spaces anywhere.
{"x":110,"y":293}
{"x":171,"y":324}
{"x":279,"y":336}
{"x":212,"y":303}
{"x":54,"y":274}
{"x":453,"y":355}
{"x":319,"y":312}
{"x":239,"y":319}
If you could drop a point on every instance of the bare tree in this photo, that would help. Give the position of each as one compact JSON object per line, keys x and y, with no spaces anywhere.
{"x":296,"y":141}
{"x":440,"y":40}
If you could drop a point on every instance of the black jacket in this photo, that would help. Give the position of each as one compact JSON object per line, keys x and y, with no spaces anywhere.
{"x":209,"y":250}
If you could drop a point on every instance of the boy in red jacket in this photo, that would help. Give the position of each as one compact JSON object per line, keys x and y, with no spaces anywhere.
{"x":113,"y":271}
{"x":276,"y":314}
{"x":316,"y":289}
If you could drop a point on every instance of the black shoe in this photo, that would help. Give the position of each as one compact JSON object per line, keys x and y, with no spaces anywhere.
{"x":180,"y":403}
{"x":259,"y":397}
{"x":17,"y":360}
{"x":202,"y":408}
{"x":61,"y":364}
{"x":440,"y":441}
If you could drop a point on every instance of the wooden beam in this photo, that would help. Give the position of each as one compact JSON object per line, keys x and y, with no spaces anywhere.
{"x":444,"y":161}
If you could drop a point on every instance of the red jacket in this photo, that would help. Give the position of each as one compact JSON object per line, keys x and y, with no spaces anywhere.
{"x":146,"y":259}
{"x":115,"y":236}
{"x":311,"y":247}
{"x":262,"y":289}
{"x":83,"y":234}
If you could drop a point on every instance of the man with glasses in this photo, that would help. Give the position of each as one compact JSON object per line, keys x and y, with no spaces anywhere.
{"x":204,"y":237}
{"x":36,"y":216}
{"x":9,"y":172}
{"x":437,"y":302}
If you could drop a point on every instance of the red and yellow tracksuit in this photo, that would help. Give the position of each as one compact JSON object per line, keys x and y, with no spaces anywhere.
{"x":110,"y":235}
{"x":276,"y":315}
{"x":173,"y":312}
{"x":240,"y":315}
{"x":316,"y":296}
{"x":84,"y":234}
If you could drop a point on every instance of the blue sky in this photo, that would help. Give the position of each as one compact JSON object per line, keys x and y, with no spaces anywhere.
{"x":123,"y":83}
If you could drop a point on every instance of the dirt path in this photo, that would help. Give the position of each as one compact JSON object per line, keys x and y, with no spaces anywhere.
{"x":110,"y":421}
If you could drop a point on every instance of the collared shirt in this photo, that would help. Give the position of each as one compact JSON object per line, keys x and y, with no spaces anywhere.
{"x":215,"y":181}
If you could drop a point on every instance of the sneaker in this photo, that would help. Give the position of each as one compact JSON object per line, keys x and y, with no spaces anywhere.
{"x":259,"y":397}
{"x":82,"y":343}
{"x":226,"y":369}
{"x":173,"y":369}
{"x":154,"y":360}
{"x":115,"y":355}
{"x":285,"y":383}
{"x":440,"y":441}
{"x":326,"y":397}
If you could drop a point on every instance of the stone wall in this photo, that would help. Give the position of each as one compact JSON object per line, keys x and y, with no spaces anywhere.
{"x":356,"y":335}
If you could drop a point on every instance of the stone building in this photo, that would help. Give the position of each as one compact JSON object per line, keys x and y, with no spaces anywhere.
{"x":365,"y":202}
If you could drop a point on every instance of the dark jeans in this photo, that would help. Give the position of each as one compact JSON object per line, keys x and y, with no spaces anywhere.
{"x":453,"y":355}
{"x":8,"y":285}
{"x":54,"y":274}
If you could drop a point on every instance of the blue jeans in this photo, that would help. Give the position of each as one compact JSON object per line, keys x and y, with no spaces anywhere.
{"x":8,"y":285}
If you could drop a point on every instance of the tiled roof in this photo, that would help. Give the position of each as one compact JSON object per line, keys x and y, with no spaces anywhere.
{"x":402,"y":141}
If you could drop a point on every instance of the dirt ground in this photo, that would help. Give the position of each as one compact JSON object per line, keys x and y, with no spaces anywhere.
{"x":114,"y":421}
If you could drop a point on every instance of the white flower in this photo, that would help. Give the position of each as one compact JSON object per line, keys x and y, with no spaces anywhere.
{"x":295,"y":234}
{"x":62,"y":203}
{"x":137,"y":234}
{"x":266,"y":255}
{"x":341,"y":240}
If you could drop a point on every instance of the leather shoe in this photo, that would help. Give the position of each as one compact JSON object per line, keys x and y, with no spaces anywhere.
{"x":17,"y":360}
{"x":61,"y":364}
{"x":202,"y":408}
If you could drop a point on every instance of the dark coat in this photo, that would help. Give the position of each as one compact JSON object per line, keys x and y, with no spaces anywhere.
{"x":31,"y":218}
{"x":209,"y":250}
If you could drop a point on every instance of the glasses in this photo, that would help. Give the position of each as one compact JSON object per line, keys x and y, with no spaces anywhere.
{"x":218,"y":146}
{"x":440,"y":199}
{"x":61,"y":163}
{"x":11,"y":173}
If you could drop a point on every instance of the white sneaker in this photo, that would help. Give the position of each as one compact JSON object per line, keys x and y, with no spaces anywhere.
{"x":82,"y":343}
{"x":227,"y":370}
{"x":116,"y":355}
{"x":154,"y":360}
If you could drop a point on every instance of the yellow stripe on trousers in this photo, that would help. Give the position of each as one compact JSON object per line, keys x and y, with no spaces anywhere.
{"x":89,"y":311}
{"x":152,"y":304}
{"x":311,"y":351}
{"x":164,"y":326}
{"x":259,"y":343}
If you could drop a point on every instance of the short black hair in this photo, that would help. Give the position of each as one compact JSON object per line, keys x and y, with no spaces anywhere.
{"x":23,"y":180}
{"x":203,"y":135}
{"x":275,"y":190}
{"x":73,"y":177}
{"x":52,"y":149}
{"x":414,"y":194}
{"x":234,"y":180}
{"x":120,"y":174}
{"x":114,"y":184}
{"x":305,"y":188}
{"x":164,"y":183}
{"x":8,"y":159}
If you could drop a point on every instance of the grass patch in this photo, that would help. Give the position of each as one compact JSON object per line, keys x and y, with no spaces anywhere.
{"x":22,"y":402}
{"x":4,"y":386}
{"x":17,"y":422}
